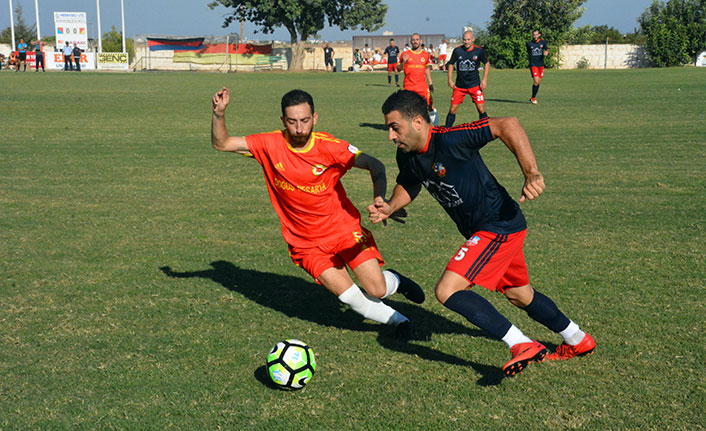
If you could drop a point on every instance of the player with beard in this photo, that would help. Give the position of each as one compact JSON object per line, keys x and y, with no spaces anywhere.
{"x":416,"y":64}
{"x":321,"y":226}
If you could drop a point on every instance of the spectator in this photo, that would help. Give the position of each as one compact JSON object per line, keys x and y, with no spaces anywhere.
{"x":328,"y":56}
{"x":38,"y":55}
{"x":68,"y":65}
{"x":22,"y":55}
{"x":76,"y":52}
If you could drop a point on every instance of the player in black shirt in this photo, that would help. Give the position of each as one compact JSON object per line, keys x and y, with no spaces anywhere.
{"x":537,"y":49}
{"x":393,"y":52}
{"x":447,"y":162}
{"x":467,"y":59}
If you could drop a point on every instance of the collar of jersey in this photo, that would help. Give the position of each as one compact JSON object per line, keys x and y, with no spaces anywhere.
{"x":417,"y":51}
{"x":305,"y":149}
{"x":426,"y":147}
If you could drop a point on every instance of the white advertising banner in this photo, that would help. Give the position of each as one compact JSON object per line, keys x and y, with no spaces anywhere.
{"x":71,"y":27}
{"x":55,"y":60}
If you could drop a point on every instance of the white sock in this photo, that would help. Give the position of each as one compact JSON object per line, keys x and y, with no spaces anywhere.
{"x":370,"y":307}
{"x":515,"y":336}
{"x":392,"y":282}
{"x":572,"y":335}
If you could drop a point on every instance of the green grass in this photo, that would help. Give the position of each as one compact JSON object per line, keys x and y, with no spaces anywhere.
{"x":107,"y":179}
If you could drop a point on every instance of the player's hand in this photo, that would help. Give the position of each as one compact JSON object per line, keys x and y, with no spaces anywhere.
{"x":534,"y":186}
{"x":431,"y":88}
{"x":452,"y":85}
{"x":220,"y":101}
{"x":483,"y":84}
{"x":379,"y":211}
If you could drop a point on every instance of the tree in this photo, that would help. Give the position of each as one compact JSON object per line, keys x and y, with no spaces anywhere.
{"x":113,"y":42}
{"x":675,"y":32}
{"x":596,"y":35}
{"x":303,"y":18}
{"x":513,"y":21}
{"x":22,"y":30}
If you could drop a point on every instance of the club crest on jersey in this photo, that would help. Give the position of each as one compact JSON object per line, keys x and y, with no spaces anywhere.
{"x":475,"y":57}
{"x":318,"y":170}
{"x":473,"y":241}
{"x":439,"y":169}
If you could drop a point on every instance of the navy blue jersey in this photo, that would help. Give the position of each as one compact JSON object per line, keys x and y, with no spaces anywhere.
{"x":535,"y":52}
{"x":392,"y":52}
{"x":467,"y":63}
{"x":453,"y":172}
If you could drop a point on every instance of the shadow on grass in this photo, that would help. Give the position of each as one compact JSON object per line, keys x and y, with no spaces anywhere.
{"x":374,"y":126}
{"x":526,"y":102}
{"x":304,"y":300}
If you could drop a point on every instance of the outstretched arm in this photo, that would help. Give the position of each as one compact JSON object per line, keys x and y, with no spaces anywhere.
{"x":220,"y":139}
{"x":511,"y":132}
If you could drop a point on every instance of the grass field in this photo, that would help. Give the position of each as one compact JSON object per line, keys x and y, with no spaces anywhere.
{"x":143,"y":277}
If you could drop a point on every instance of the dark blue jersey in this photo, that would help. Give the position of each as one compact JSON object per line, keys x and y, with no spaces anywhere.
{"x":453,"y":172}
{"x":467,"y":63}
{"x":392,"y":53}
{"x":535,"y":52}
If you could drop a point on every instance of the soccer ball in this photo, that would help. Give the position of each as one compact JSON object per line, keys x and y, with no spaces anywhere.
{"x":291,"y":364}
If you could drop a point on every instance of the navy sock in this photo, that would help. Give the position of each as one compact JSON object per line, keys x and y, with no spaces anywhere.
{"x":450,"y":118}
{"x":389,"y":79}
{"x":545,"y":311}
{"x":397,"y":79}
{"x":482,"y":115}
{"x":479,"y":312}
{"x":535,"y":89}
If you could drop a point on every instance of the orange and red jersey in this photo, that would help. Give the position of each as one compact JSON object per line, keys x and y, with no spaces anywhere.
{"x":304,"y":185}
{"x":415,"y":70}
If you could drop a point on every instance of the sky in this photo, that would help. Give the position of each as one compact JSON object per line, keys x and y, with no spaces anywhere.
{"x":194,"y":18}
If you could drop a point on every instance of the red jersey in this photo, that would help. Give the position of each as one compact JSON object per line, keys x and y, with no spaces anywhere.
{"x":415,"y":68}
{"x":304,"y":185}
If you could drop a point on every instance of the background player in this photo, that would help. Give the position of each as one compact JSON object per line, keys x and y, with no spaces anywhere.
{"x":537,"y":49}
{"x":466,"y":59}
{"x":417,"y":74}
{"x":392,"y":51}
{"x":319,"y":223}
{"x":448,"y":163}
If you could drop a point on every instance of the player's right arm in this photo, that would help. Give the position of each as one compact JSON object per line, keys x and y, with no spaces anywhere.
{"x":403,"y":60}
{"x":450,"y":69}
{"x":220,"y":140}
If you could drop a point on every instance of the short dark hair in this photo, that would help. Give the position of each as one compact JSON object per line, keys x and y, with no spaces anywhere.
{"x":297,"y":97}
{"x":408,"y":103}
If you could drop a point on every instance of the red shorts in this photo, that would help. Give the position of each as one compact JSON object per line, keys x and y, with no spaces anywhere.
{"x":442,"y":59}
{"x":392,"y":67}
{"x":352,"y":249}
{"x":460,"y":93}
{"x":537,"y":71}
{"x":424,"y":92}
{"x":491,"y":260}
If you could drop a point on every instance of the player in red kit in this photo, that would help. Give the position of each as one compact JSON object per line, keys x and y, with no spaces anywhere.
{"x":416,"y":64}
{"x":302,"y":170}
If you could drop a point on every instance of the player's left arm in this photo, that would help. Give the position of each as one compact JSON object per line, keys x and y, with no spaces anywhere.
{"x":377,"y":172}
{"x":427,"y":72}
{"x":546,"y":49}
{"x":513,"y":135}
{"x":484,"y":81}
{"x":379,"y":177}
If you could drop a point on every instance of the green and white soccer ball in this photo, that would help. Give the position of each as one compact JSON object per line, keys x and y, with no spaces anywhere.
{"x":291,"y":364}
